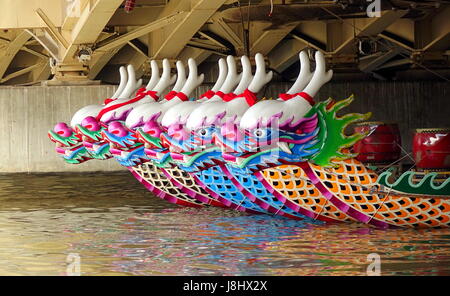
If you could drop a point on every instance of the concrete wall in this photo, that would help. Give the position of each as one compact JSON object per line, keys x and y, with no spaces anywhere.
{"x":415,"y":104}
{"x":27,"y":113}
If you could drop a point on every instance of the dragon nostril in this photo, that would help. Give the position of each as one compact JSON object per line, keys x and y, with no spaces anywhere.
{"x":116,"y":132}
{"x":152,"y":132}
{"x":176,"y":135}
{"x":60,"y":132}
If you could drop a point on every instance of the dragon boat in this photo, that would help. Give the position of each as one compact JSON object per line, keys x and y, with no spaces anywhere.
{"x":289,"y":156}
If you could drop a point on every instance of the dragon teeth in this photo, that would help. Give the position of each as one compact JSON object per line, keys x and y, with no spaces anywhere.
{"x":285,"y":147}
{"x":186,"y":158}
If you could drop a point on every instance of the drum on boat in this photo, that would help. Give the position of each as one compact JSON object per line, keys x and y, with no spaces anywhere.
{"x":382,"y":143}
{"x":431,"y":148}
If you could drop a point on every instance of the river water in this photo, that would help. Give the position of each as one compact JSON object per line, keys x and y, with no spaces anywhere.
{"x":112,"y":225}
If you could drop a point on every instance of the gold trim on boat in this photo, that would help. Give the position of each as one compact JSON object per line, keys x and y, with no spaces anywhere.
{"x":432,"y":130}
{"x":375,"y":123}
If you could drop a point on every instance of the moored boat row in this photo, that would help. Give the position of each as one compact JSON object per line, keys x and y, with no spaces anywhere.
{"x":286,"y":156}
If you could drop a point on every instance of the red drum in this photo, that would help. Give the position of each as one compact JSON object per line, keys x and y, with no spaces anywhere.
{"x":431,"y":148}
{"x":382,"y":143}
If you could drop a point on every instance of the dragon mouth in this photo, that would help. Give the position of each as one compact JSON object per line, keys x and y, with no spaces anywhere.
{"x":62,"y":142}
{"x":69,"y":151}
{"x":109,"y":138}
{"x":156,"y":155}
{"x":237,"y":159}
{"x":192,"y":160}
{"x":115,"y":152}
{"x":106,"y":136}
{"x":87,"y":135}
{"x":184,"y":158}
{"x":165,"y":142}
{"x":232,"y":157}
{"x":62,"y":148}
{"x":88,"y":144}
{"x":53,"y":139}
{"x":118,"y":150}
{"x":150,"y":142}
{"x":123,"y":154}
{"x":95,"y":147}
{"x":150,"y":146}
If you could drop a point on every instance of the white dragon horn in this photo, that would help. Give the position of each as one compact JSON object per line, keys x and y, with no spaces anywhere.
{"x":261,"y":78}
{"x":123,"y":82}
{"x":305,"y":75}
{"x":181,"y":77}
{"x":223,"y":70}
{"x":165,"y":80}
{"x":154,"y":78}
{"x":320,"y":76}
{"x":138,"y":85}
{"x":132,"y":84}
{"x":247,"y":76}
{"x":232,"y":78}
{"x":193,"y":79}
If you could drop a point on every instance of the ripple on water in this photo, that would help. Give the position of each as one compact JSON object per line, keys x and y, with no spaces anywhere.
{"x":118,"y":228}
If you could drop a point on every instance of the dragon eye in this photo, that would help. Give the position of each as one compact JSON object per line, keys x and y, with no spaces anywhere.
{"x":203,"y":132}
{"x":259,"y":133}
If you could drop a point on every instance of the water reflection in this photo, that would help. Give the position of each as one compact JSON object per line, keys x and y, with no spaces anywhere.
{"x":117,"y":227}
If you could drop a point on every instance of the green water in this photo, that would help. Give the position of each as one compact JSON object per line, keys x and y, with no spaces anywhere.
{"x":116,"y":227}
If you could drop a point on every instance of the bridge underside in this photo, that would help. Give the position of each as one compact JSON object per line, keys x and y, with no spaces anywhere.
{"x":83,"y":41}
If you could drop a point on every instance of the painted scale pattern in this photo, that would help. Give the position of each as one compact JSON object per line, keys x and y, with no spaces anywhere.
{"x":218,"y":185}
{"x":184,"y":181}
{"x":354,"y":184}
{"x":250,"y":183}
{"x":290,"y":183}
{"x":152,"y":178}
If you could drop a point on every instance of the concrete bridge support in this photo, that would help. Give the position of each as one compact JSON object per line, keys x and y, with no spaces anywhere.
{"x":27,"y":113}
